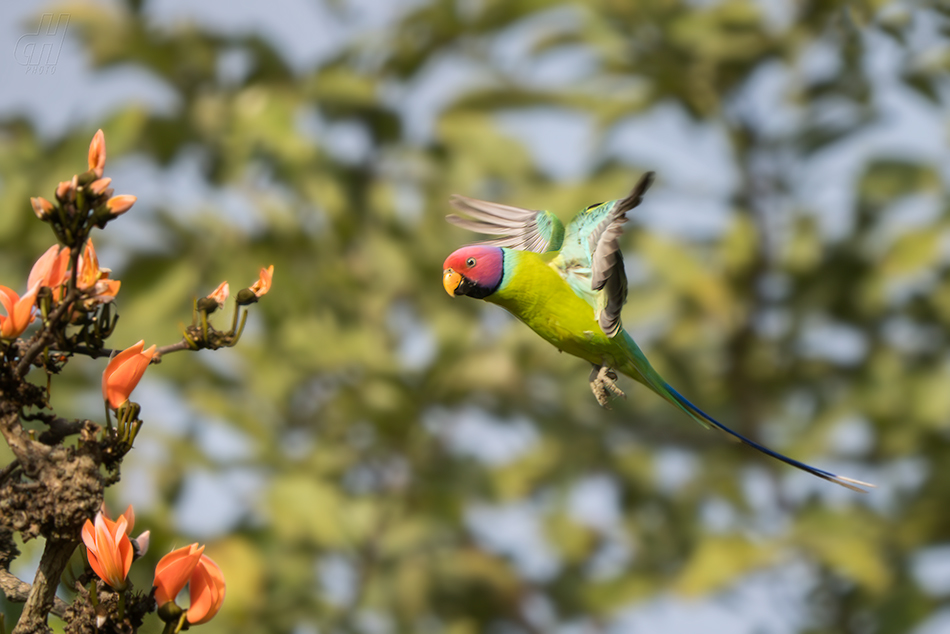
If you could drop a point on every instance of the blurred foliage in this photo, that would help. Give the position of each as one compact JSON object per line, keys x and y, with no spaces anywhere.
{"x":350,"y":388}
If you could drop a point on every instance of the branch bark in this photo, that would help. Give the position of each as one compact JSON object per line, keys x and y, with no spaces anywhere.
{"x":41,"y":599}
{"x":17,"y":591}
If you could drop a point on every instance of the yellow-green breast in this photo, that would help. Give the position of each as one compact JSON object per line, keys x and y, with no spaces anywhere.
{"x":534,"y":291}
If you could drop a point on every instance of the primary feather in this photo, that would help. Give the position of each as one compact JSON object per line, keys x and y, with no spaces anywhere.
{"x":523,"y":229}
{"x":574,"y":301}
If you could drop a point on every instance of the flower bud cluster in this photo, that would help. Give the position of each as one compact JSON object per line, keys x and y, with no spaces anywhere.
{"x":85,"y":200}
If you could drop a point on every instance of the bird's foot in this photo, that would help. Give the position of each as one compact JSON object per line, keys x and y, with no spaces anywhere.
{"x":603,"y":383}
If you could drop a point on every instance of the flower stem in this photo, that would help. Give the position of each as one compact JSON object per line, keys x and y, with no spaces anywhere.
{"x":234,"y":321}
{"x":237,"y":336}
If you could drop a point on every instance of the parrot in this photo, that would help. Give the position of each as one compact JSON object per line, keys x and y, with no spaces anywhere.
{"x":574,"y":300}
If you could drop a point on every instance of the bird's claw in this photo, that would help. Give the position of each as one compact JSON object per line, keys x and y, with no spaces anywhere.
{"x":603,"y":383}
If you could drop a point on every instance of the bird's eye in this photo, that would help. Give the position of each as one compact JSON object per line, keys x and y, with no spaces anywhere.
{"x":470,"y":262}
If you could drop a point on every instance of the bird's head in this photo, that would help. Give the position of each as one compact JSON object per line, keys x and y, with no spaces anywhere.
{"x":475,"y":271}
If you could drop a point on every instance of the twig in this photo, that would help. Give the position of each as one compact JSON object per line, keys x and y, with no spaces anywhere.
{"x":59,"y":428}
{"x":108,"y":352}
{"x":174,"y":347}
{"x":8,"y":470}
{"x":44,"y":336}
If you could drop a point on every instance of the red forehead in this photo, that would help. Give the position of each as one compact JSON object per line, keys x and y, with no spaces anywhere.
{"x":484,"y":256}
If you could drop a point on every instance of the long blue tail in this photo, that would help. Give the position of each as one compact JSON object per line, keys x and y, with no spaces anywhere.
{"x":644,"y":372}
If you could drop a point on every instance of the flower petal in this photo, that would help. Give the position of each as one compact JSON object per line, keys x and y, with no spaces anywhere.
{"x":97,"y":153}
{"x":173,"y":572}
{"x":129,"y":516}
{"x":89,"y":535}
{"x":263,"y":283}
{"x":206,"y":589}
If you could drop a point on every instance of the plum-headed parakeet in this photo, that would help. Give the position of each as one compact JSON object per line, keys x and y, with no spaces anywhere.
{"x":574,"y":300}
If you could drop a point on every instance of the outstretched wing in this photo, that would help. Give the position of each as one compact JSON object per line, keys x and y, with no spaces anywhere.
{"x":590,"y":260}
{"x":521,"y":229}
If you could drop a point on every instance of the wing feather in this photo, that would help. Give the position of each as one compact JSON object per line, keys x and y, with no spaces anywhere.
{"x":521,"y":229}
{"x":603,"y":241}
{"x":592,"y":244}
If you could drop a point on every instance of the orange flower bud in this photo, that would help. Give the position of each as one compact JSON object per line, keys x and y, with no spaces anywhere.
{"x":120,"y":204}
{"x":41,"y":207}
{"x":124,"y":372}
{"x":88,"y":265}
{"x":97,"y":153}
{"x":109,"y":549}
{"x":99,"y":186}
{"x":91,"y":277}
{"x":140,"y":543}
{"x":65,"y":191}
{"x":262,"y":285}
{"x":220,"y":294}
{"x":19,"y":311}
{"x":206,"y":583}
{"x":50,"y":269}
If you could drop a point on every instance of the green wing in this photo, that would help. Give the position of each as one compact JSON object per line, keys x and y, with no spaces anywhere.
{"x":590,"y":259}
{"x":521,"y":229}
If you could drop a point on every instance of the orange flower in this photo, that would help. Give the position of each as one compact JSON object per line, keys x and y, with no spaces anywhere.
{"x":124,"y":372}
{"x":173,"y":572}
{"x":50,"y":269}
{"x":262,"y":285}
{"x":89,"y":271}
{"x":129,"y":516}
{"x":97,"y":153}
{"x":92,"y":277}
{"x":19,"y":311}
{"x":109,"y":549}
{"x":118,"y":205}
{"x":220,"y":294}
{"x":140,"y":543}
{"x":188,"y":565}
{"x":41,"y":207}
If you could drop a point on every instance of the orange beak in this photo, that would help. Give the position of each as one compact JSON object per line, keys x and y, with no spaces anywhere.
{"x":451,"y":281}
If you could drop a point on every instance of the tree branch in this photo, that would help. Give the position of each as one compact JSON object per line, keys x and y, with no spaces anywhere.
{"x":108,"y":352}
{"x":41,"y":598}
{"x":44,"y":336}
{"x":8,"y":470}
{"x":17,"y":591}
{"x":59,"y":428}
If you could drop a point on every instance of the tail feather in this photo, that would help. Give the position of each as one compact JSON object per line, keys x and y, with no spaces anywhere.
{"x":695,"y":412}
{"x":644,"y":372}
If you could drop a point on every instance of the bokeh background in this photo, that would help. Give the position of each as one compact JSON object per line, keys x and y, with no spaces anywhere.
{"x":376,"y":457}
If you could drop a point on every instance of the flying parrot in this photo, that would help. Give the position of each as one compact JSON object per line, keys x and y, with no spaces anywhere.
{"x":573,"y":301}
